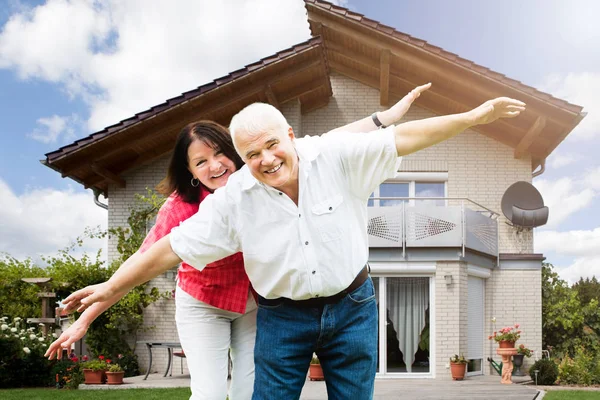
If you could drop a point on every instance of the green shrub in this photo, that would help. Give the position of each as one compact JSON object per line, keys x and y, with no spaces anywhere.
{"x":596,"y":371}
{"x":577,"y":370}
{"x":547,"y":371}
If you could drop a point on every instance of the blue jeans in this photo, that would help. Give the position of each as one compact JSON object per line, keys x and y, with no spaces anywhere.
{"x":344,"y":336}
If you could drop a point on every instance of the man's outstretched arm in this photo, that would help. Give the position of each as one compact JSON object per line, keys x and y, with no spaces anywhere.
{"x":158,"y":259}
{"x":413,"y":136}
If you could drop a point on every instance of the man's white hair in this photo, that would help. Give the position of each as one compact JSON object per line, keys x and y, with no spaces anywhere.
{"x":255,"y":119}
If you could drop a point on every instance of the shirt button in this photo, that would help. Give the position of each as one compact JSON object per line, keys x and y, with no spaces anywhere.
{"x":281,"y":194}
{"x":330,"y":208}
{"x":314,"y":272}
{"x":299,"y":215}
{"x":306,"y":243}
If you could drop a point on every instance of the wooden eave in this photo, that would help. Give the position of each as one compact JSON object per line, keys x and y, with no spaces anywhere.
{"x":298,"y":73}
{"x":394,"y":63}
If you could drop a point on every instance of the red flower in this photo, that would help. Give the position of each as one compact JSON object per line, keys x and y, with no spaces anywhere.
{"x":74,"y":359}
{"x":85,"y":358}
{"x":101,"y":357}
{"x":108,"y":360}
{"x":517,"y":326}
{"x":490,"y":337}
{"x":120,"y":356}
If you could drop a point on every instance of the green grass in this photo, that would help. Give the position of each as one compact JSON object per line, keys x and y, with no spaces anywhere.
{"x":107,"y":394}
{"x":572,"y":395}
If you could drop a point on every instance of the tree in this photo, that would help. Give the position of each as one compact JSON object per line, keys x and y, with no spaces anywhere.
{"x":587,"y":290}
{"x":567,"y":321}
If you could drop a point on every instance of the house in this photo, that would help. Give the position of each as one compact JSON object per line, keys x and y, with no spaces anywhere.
{"x":449,"y":270}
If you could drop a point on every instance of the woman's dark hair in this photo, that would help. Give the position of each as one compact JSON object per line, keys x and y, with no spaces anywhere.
{"x":178,"y":177}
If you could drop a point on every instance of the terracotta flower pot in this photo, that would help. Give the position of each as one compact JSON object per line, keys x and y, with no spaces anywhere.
{"x":316,"y":372}
{"x":115,"y":378}
{"x":458,"y":371}
{"x":505,"y":344}
{"x":93,"y":377}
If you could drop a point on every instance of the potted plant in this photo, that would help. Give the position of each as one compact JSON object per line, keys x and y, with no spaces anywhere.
{"x":506,"y":337}
{"x":458,"y":367}
{"x":315,"y":371}
{"x":114,"y":374}
{"x":93,"y":371}
{"x":522,"y":352}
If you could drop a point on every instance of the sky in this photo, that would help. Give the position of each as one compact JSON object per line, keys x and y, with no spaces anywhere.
{"x":72,"y":67}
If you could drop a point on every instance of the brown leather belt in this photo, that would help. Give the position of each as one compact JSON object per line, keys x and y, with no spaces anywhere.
{"x":319,"y":301}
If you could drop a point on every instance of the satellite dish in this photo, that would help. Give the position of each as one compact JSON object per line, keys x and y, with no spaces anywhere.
{"x":523,"y":205}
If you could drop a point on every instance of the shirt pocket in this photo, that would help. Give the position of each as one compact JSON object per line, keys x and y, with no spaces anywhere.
{"x":328,"y":217}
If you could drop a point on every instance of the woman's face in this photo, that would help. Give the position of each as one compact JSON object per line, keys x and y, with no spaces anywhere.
{"x":209,"y":165}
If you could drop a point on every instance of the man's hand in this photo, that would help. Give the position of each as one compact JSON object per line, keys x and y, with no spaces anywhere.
{"x":74,"y":333}
{"x":83,"y":298}
{"x":491,"y":110}
{"x":397,"y":111}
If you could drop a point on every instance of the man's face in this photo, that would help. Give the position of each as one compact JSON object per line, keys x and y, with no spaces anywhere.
{"x":271,"y":157}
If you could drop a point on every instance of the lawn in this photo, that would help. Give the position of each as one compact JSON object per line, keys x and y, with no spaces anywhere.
{"x":106,"y":394}
{"x":572,"y":395}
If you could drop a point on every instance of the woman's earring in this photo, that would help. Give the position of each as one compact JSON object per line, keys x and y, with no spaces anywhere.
{"x":194,"y":182}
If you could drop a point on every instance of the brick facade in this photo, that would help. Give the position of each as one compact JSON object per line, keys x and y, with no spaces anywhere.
{"x":478,"y":168}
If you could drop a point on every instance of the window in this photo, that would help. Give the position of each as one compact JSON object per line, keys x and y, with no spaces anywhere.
{"x":415,"y":185}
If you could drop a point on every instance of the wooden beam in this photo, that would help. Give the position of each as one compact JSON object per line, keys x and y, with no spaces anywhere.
{"x":354,"y":74}
{"x":307,"y":107}
{"x":317,"y":28}
{"x":305,"y":88}
{"x":531,"y":135}
{"x":110,"y":176}
{"x":271,"y":96}
{"x":384,"y":77}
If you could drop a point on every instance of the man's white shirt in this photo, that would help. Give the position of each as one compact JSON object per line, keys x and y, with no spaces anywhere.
{"x":315,"y":249}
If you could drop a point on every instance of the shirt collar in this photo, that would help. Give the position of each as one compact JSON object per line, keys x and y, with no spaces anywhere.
{"x":306,"y":155}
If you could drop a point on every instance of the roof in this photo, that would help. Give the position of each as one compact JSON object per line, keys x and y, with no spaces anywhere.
{"x":395,"y":62}
{"x":347,"y":43}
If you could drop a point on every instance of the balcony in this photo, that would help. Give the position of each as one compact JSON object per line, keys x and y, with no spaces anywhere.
{"x":423,"y":222}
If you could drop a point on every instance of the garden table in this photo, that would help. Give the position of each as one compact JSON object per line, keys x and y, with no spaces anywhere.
{"x":168,"y":345}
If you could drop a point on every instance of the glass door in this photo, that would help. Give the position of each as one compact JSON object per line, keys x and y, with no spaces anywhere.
{"x":404,"y":326}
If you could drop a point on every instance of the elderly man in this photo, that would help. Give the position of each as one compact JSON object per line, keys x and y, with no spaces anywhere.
{"x":298,"y":211}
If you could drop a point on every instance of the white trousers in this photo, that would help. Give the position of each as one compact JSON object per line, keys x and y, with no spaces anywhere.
{"x":207,"y":334}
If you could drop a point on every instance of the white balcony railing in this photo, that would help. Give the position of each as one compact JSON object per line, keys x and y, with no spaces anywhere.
{"x":414,"y":223}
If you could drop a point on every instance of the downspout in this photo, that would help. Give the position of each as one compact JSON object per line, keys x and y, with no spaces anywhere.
{"x":541,"y":170}
{"x":96,"y":201}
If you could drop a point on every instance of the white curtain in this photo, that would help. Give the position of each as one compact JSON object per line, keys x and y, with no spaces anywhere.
{"x":407,"y":301}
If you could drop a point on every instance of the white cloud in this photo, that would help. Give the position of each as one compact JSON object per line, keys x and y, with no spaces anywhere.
{"x":123,"y":57}
{"x":564,"y":197}
{"x":592,"y":178}
{"x":42,"y":221}
{"x":581,"y":89}
{"x":558,"y":160}
{"x":573,"y":243}
{"x":585,"y":267}
{"x":51,"y":128}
